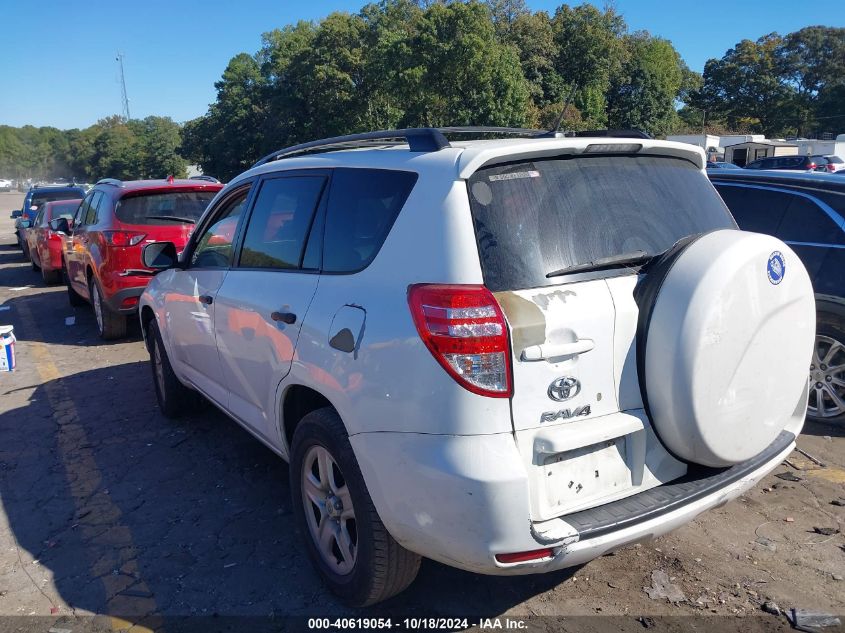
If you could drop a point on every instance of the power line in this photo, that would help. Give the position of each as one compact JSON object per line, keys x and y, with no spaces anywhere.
{"x":124,"y":97}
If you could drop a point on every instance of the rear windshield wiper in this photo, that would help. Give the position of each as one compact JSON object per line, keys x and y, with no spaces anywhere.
{"x":634,"y":257}
{"x":175,"y":218}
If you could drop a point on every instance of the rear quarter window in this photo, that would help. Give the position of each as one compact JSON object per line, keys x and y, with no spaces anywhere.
{"x":535,"y":217}
{"x":363,"y":205}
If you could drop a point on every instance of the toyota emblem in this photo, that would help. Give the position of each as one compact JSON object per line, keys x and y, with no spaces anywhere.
{"x":564,"y":388}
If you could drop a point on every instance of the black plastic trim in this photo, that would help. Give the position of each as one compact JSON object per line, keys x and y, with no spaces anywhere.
{"x":653,"y":503}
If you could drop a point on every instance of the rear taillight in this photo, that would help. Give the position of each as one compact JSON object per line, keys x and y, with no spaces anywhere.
{"x":811,"y":166}
{"x":123,"y":238}
{"x":464,"y":328}
{"x":831,"y":168}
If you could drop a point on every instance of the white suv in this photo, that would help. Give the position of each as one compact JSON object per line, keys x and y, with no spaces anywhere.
{"x":510,"y":356}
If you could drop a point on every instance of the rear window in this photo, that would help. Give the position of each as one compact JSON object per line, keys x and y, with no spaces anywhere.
{"x":532,"y":218}
{"x":177,"y":207}
{"x":66,"y":210}
{"x":40,"y":198}
{"x":835,"y":160}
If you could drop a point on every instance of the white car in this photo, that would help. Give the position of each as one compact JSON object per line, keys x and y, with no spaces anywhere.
{"x":510,"y":356}
{"x":834,"y":163}
{"x":5,"y":185}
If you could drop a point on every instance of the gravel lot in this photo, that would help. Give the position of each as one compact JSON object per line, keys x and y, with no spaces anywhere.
{"x":108,"y":508}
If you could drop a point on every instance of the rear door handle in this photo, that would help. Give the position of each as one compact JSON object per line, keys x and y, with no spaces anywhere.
{"x":206,"y":299}
{"x":284,"y":317}
{"x":555,"y":350}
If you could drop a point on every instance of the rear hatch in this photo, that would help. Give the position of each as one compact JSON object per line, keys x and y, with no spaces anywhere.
{"x":562,"y":241}
{"x":156,"y":216}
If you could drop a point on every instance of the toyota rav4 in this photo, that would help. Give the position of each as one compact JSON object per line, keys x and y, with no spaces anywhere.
{"x":510,"y":356}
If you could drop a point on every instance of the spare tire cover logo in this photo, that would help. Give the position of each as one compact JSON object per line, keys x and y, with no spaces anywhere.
{"x":776,"y":268}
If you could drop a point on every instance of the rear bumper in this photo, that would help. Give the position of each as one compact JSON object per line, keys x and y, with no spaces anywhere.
{"x":463,"y":499}
{"x":115,"y":301}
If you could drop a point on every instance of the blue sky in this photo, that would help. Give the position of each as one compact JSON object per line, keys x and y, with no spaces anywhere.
{"x":57,"y":58}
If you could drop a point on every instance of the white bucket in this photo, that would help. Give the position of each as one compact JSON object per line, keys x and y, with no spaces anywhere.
{"x":7,"y":348}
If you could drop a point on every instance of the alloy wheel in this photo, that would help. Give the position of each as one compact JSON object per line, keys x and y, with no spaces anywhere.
{"x":827,"y":379}
{"x":329,"y":511}
{"x":98,"y":308}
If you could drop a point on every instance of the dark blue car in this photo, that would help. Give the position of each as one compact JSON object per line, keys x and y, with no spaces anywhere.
{"x":35,"y":197}
{"x":807,"y":211}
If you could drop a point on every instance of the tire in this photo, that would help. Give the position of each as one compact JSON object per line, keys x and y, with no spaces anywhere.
{"x":28,"y":256}
{"x":51,"y":277}
{"x":828,"y":352}
{"x":174,"y":398}
{"x":379,"y":567}
{"x":110,"y":325}
{"x":73,"y":297}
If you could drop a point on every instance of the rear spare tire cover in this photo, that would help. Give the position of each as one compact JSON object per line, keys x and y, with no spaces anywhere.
{"x":726,"y":346}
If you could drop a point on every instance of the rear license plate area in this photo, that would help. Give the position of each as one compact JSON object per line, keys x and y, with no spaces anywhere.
{"x":578,"y":477}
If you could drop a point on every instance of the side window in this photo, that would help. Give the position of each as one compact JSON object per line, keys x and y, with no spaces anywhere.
{"x":363,"y":205}
{"x":214,"y":247}
{"x":280,"y":221}
{"x":82,"y":211}
{"x":806,"y":221}
{"x":40,"y":217}
{"x":758,"y":210}
{"x":96,"y":203}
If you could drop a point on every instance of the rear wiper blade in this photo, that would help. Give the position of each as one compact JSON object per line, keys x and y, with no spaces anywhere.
{"x":634,"y":257}
{"x":175,"y":218}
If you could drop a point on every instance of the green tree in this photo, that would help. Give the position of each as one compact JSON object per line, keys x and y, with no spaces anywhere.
{"x":159,"y":140}
{"x":747,"y":86}
{"x":589,"y":51}
{"x":812,"y":60}
{"x":643,"y":94}
{"x":229,"y":137}
{"x":458,"y":73}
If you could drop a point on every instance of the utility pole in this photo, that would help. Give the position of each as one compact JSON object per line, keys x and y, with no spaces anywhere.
{"x":125,"y":98}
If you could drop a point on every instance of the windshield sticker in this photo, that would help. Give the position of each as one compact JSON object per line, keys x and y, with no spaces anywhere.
{"x":515,"y":175}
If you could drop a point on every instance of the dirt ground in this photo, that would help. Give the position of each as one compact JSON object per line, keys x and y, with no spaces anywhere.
{"x":108,"y":508}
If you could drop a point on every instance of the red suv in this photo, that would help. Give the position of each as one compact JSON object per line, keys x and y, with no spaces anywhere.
{"x":102,"y":256}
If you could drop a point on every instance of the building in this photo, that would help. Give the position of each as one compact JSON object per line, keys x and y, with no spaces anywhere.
{"x":747,"y":151}
{"x":715,"y":145}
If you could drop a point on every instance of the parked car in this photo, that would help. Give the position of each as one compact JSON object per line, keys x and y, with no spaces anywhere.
{"x":835,"y":164}
{"x":808,"y":213}
{"x":5,"y":185}
{"x":790,"y":163}
{"x":508,"y":356}
{"x":45,"y":245}
{"x":721,"y":165}
{"x":112,"y":224}
{"x":32,"y":202}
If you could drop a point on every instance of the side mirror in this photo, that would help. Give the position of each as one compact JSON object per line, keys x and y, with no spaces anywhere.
{"x":25,"y":224}
{"x":160,"y":255}
{"x":60,"y":225}
{"x":16,"y":214}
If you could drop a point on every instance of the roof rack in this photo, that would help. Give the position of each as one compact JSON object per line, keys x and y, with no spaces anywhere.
{"x":427,"y":139}
{"x":424,"y":139}
{"x":633,"y":133}
{"x":110,"y":181}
